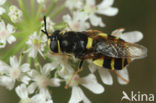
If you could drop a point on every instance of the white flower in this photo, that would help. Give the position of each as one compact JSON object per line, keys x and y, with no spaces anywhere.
{"x":41,"y":1}
{"x":15,"y":14}
{"x":2,"y":10}
{"x":22,"y":92}
{"x":36,"y":44}
{"x":74,"y":4}
{"x":103,"y":8}
{"x":77,"y":22}
{"x":41,"y":97}
{"x":42,"y":80}
{"x":124,"y":74}
{"x":14,"y":72}
{"x":132,"y":37}
{"x":89,"y":82}
{"x":50,"y":25}
{"x":5,"y":34}
{"x":103,"y":72}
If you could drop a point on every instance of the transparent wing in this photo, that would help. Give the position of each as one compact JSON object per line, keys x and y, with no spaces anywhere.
{"x":120,"y":49}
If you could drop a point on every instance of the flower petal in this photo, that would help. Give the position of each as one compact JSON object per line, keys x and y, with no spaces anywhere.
{"x":91,"y":83}
{"x":25,"y":67}
{"x":110,"y":11}
{"x":48,"y":67}
{"x":22,"y":91}
{"x":67,"y":18}
{"x":106,"y":3}
{"x":90,"y":2}
{"x":78,"y":95}
{"x":92,"y":67}
{"x":25,"y":79}
{"x":45,"y":92}
{"x":7,"y":82}
{"x":55,"y":82}
{"x":32,"y":87}
{"x":2,"y":10}
{"x":10,"y":28}
{"x":14,"y":62}
{"x":40,"y":98}
{"x":132,"y":37}
{"x":4,"y":68}
{"x":11,"y":39}
{"x":33,"y":53}
{"x":105,"y":76}
{"x":2,"y":43}
{"x":124,"y":74}
{"x":2,"y":25}
{"x":2,"y":2}
{"x":96,"y":21}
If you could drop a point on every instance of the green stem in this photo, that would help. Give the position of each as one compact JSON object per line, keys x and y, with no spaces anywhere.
{"x":5,"y":17}
{"x":37,"y":64}
{"x":29,"y":60}
{"x":21,"y":56}
{"x":13,"y":50}
{"x":57,"y":11}
{"x":53,"y":4}
{"x":39,"y":11}
{"x":23,"y":8}
{"x":60,"y":26}
{"x":32,"y":2}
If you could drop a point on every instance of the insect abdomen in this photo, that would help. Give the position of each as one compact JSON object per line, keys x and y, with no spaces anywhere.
{"x":112,"y":63}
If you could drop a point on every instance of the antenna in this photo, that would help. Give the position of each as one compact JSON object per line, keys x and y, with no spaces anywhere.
{"x":45,"y":27}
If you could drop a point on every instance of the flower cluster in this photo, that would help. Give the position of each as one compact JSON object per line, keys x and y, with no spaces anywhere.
{"x":32,"y":78}
{"x":84,"y":10}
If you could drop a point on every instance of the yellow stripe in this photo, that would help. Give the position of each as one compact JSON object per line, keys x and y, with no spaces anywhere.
{"x":89,"y":43}
{"x":103,"y":35}
{"x":49,"y":42}
{"x":99,"y":62}
{"x":59,"y":49}
{"x":128,"y":60}
{"x":112,"y":64}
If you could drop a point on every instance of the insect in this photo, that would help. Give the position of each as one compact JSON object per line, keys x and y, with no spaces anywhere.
{"x":104,"y":50}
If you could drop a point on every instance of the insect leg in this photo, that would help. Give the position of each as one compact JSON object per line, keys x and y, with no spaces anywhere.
{"x":127,"y":81}
{"x":75,"y":73}
{"x":69,"y":27}
{"x":80,"y":66}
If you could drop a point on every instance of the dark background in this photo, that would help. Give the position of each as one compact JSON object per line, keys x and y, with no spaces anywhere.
{"x":133,"y":15}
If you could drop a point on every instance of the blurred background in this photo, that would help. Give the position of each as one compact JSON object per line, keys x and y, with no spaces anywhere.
{"x":133,"y":15}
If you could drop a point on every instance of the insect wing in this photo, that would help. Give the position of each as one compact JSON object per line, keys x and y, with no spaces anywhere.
{"x":120,"y":49}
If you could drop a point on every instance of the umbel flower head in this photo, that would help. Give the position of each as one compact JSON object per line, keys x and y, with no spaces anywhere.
{"x":14,"y":72}
{"x":2,"y":10}
{"x":36,"y":44}
{"x":27,"y":64}
{"x":6,"y":32}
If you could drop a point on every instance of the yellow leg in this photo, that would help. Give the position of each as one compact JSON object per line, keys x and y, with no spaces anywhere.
{"x":75,"y":73}
{"x":127,"y":81}
{"x":69,"y":27}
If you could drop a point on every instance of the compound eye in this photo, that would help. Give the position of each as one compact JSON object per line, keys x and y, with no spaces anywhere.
{"x":54,"y":46}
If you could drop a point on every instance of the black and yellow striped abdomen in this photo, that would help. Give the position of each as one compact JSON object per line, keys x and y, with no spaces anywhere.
{"x":112,"y":63}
